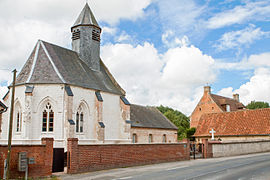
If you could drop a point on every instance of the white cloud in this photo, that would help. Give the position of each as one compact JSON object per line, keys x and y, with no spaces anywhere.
{"x":5,"y":79}
{"x":183,"y":17}
{"x":254,"y":61}
{"x":257,"y":88}
{"x":170,"y":79}
{"x":244,"y":37}
{"x":170,"y":40}
{"x":240,"y":14}
{"x":119,"y":9}
{"x":22,"y":23}
{"x":123,"y":37}
{"x":109,"y":30}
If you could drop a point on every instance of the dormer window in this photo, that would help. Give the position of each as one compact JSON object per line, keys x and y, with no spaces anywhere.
{"x":228,"y":108}
{"x":96,"y":35}
{"x":75,"y":34}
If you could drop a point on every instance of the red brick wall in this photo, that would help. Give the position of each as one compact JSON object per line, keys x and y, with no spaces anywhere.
{"x":83,"y":158}
{"x":43,"y":155}
{"x":207,"y":149}
{"x":206,"y":105}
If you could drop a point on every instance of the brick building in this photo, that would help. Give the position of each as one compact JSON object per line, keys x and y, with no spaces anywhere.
{"x":244,"y":125}
{"x":149,"y":125}
{"x":211,"y":103}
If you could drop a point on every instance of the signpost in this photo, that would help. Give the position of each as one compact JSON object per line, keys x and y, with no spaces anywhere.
{"x":23,"y":163}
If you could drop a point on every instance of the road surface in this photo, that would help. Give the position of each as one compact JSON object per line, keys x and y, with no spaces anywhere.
{"x":255,"y":166}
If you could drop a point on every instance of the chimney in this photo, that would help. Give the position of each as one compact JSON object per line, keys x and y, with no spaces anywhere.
{"x":236,"y":97}
{"x":207,"y":89}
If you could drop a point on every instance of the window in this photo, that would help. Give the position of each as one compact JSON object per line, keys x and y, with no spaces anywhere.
{"x":150,"y":138}
{"x":228,"y":108}
{"x":47,"y":119}
{"x":79,"y":121}
{"x":96,"y":35}
{"x":76,"y":34}
{"x":19,"y":122}
{"x":164,"y":139}
{"x":134,"y":138}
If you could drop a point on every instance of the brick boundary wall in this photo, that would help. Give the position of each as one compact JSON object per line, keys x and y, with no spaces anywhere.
{"x":223,"y":149}
{"x":85,"y":158}
{"x":43,"y":155}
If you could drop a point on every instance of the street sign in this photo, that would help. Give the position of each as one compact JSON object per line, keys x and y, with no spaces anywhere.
{"x":22,"y":164}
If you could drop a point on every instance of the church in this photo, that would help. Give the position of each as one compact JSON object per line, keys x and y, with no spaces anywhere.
{"x":63,"y":93}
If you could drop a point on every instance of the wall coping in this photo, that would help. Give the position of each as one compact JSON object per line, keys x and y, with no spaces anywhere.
{"x":237,"y":142}
{"x":23,"y":145}
{"x":135,"y":144}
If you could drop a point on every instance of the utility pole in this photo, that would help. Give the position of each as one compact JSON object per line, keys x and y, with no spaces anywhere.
{"x":10,"y":123}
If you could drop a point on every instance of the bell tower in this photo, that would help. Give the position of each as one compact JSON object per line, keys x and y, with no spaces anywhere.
{"x":86,"y":38}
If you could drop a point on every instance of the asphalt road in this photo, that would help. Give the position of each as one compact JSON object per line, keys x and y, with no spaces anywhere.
{"x":255,"y":166}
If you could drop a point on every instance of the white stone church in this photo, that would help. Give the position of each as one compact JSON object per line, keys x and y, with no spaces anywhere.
{"x":64,"y":93}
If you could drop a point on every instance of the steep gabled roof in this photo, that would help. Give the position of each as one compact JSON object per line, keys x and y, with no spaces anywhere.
{"x":221,"y":100}
{"x":86,"y":17}
{"x":238,"y":123}
{"x":149,"y":117}
{"x":52,"y":64}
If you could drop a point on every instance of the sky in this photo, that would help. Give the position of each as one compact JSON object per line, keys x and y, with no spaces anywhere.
{"x":161,"y":52}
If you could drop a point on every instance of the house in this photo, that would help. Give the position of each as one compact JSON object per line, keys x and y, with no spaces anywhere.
{"x":243,"y":125}
{"x":63,"y":93}
{"x":212,"y":103}
{"x":149,"y":125}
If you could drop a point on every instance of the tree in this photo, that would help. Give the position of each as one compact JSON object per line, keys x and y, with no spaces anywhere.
{"x":257,"y":105}
{"x":191,"y":132}
{"x":177,"y":118}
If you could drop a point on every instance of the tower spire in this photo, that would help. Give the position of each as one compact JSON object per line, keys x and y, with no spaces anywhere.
{"x":86,"y":38}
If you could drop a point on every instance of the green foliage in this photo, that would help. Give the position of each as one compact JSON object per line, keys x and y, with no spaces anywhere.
{"x":257,"y":105}
{"x":191,"y":132}
{"x":179,"y":119}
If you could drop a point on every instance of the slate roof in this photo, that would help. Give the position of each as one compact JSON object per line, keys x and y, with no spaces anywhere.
{"x":220,"y":100}
{"x":238,"y":123}
{"x":86,"y":17}
{"x":52,"y":64}
{"x":149,"y":117}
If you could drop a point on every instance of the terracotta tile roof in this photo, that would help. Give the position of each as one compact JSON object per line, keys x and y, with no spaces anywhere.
{"x":220,"y":101}
{"x":244,"y":122}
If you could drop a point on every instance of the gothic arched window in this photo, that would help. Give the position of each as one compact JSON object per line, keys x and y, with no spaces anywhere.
{"x":79,"y":120}
{"x":47,"y":118}
{"x":18,"y":122}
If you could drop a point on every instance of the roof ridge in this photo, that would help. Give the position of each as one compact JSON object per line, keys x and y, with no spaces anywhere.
{"x":52,"y":62}
{"x":46,"y":42}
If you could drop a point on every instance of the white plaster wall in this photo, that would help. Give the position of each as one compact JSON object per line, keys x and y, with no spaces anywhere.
{"x":112,"y":119}
{"x":31,"y":128}
{"x":86,"y":98}
{"x":111,"y":114}
{"x":238,"y":148}
{"x":19,"y":98}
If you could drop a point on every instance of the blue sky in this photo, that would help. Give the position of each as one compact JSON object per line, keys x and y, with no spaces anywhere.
{"x":160,"y":51}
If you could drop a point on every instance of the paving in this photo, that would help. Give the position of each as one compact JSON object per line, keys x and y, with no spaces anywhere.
{"x":254,"y":166}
